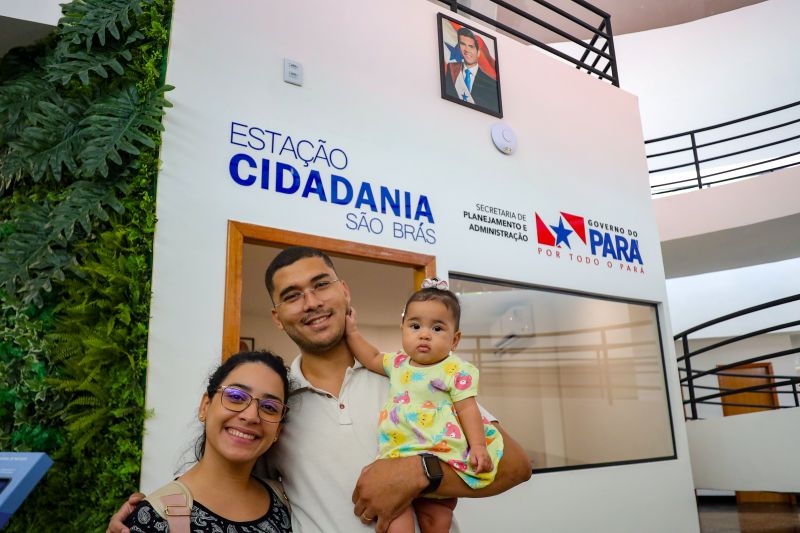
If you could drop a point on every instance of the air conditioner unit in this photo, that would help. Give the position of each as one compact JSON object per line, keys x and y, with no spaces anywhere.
{"x":514,"y":322}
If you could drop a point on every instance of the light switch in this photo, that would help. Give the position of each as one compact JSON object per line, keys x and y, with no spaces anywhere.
{"x":292,"y":72}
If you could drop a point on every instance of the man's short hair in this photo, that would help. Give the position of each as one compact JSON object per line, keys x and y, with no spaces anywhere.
{"x":290,"y":256}
{"x":466,"y":32}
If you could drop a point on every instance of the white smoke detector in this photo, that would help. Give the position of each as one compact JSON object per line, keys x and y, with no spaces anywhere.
{"x":504,"y":138}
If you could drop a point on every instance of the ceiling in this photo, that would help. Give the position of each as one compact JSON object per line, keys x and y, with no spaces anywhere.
{"x":15,"y":32}
{"x":749,"y":245}
{"x":627,"y":16}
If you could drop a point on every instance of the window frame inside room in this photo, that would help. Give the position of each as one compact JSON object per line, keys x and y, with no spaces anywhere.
{"x":461,"y":276}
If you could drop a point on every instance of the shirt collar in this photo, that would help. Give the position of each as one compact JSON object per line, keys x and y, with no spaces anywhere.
{"x":299,"y":382}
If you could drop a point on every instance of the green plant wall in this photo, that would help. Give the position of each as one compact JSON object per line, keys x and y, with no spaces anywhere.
{"x":80,"y":123}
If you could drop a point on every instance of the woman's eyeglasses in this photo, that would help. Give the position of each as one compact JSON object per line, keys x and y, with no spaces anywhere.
{"x":269,"y":410}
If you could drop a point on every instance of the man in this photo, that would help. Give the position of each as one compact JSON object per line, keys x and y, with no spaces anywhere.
{"x":465,"y":80}
{"x":326,"y":451}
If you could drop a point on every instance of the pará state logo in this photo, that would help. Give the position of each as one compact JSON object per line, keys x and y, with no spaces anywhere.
{"x":578,"y":239}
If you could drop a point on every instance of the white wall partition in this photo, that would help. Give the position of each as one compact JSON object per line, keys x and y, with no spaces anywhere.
{"x":732,"y":453}
{"x":39,"y":11}
{"x":370,"y":103}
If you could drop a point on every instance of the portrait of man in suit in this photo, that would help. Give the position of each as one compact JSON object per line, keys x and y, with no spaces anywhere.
{"x":469,"y":74}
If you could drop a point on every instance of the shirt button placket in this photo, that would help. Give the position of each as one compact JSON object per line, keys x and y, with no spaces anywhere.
{"x":344,"y":412}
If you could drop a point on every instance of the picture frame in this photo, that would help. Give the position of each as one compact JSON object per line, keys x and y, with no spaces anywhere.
{"x":464,"y":48}
{"x":247,"y":344}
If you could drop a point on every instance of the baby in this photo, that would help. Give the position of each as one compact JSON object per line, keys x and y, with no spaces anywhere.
{"x":431,"y":406}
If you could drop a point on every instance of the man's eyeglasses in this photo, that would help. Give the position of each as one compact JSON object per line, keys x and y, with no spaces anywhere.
{"x":319,"y":289}
{"x":269,"y":410}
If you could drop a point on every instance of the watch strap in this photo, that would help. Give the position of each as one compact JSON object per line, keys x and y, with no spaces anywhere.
{"x":433,"y":471}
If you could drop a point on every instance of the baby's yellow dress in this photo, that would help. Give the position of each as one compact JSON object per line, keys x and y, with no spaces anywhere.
{"x":419,"y":415}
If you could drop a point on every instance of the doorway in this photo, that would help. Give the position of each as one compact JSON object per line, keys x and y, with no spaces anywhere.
{"x":751,"y":402}
{"x":748,"y":402}
{"x":379,"y":279}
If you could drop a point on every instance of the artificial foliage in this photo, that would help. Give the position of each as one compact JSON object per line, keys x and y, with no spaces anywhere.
{"x":80,"y":123}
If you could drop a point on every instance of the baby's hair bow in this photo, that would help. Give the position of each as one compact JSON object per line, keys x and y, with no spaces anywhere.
{"x":434,"y":283}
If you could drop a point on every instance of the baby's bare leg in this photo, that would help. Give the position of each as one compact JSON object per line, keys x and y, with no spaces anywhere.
{"x":434,"y":515}
{"x":403,"y":523}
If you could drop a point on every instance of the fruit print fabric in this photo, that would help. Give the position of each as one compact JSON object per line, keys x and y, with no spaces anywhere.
{"x":419,"y":415}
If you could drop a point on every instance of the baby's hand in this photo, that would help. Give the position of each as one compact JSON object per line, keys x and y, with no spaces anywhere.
{"x":479,"y":459}
{"x":350,"y":321}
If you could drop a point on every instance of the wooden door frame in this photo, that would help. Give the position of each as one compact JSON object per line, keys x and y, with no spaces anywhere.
{"x":764,"y":364}
{"x":239,"y":233}
{"x":758,"y":497}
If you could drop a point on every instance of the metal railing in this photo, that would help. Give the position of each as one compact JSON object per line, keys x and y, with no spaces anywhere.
{"x":733,"y":150}
{"x":690,"y":373}
{"x":597,"y":56}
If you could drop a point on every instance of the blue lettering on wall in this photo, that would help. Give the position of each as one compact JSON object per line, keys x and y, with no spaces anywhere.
{"x":233,"y":168}
{"x":365,"y":197}
{"x":265,"y":173}
{"x":634,"y":254}
{"x":280,"y":172}
{"x":236,"y":129}
{"x":336,"y":182}
{"x":423,"y":209}
{"x":259,"y":141}
{"x":314,"y":186}
{"x":336,"y":189}
{"x":392,"y":199}
{"x":615,"y":246}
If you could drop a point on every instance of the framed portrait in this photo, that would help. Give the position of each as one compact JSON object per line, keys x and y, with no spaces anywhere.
{"x":468,"y":67}
{"x":247,"y":344}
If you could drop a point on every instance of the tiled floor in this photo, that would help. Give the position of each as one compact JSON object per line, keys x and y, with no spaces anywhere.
{"x":725,"y":517}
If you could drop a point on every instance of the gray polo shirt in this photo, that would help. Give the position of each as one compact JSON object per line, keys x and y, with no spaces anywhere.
{"x":325,"y":444}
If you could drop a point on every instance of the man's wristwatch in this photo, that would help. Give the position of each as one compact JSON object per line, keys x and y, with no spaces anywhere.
{"x":433,"y":471}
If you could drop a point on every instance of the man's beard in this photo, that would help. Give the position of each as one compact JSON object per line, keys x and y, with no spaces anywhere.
{"x":309,"y":346}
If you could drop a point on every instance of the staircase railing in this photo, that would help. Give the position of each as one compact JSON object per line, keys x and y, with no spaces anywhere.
{"x":597,"y":56}
{"x":690,"y":371}
{"x":733,"y":150}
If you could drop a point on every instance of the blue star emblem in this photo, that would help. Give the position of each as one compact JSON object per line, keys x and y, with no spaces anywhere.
{"x":455,"y":53}
{"x":562,"y":233}
{"x":464,"y":96}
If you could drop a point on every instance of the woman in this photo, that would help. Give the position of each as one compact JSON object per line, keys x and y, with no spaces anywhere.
{"x":242,"y":410}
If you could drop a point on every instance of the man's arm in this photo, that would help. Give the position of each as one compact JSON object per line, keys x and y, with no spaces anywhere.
{"x":387,"y":486}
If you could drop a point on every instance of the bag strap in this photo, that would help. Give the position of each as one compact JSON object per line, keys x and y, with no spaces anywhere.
{"x":276,"y":485}
{"x":173,"y":502}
